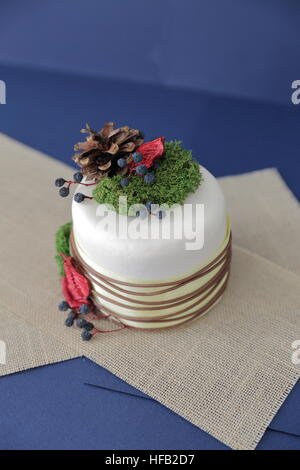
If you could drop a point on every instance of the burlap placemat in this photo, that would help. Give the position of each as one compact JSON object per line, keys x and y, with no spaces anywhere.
{"x":26,"y":346}
{"x":265,"y":216}
{"x":228,"y":373}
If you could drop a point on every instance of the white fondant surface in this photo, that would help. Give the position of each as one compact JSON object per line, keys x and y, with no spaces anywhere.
{"x":151,"y":259}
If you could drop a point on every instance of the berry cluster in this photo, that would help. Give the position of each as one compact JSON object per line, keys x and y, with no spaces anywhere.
{"x":150,"y":208}
{"x":65,"y":185}
{"x":148,"y":174}
{"x":73,"y":316}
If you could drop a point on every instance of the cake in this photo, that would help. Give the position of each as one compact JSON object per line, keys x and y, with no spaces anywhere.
{"x":149,"y":245}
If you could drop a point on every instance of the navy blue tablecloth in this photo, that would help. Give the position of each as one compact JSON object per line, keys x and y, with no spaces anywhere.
{"x":65,"y":405}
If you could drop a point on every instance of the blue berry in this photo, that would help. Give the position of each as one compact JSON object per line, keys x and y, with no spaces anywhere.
{"x":122,"y":162}
{"x":64,"y":192}
{"x":78,"y":177}
{"x":149,"y":178}
{"x":79,"y":197}
{"x":86,"y":335}
{"x":89,"y":326}
{"x":72,"y":315}
{"x":69,"y":322}
{"x":141,"y":169}
{"x":142,"y":214}
{"x":81,"y":323}
{"x":124,"y":182}
{"x":161,"y":214}
{"x":137,"y":157}
{"x":59,"y":182}
{"x":63,"y":306}
{"x":84,"y":309}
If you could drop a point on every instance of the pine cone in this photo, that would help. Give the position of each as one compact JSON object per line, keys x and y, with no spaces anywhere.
{"x":98,"y":156}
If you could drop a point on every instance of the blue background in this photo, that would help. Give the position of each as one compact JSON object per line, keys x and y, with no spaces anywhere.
{"x":214,"y":74}
{"x":238,"y":47}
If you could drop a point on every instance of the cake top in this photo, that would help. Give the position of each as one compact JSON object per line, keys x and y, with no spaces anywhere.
{"x":118,"y":162}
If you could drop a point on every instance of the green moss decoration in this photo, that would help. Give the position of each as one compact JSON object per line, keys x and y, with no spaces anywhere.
{"x":62,"y":245}
{"x":177,"y":177}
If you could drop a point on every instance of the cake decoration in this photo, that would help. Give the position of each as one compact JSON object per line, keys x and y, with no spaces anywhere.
{"x":62,"y":245}
{"x":175,"y":175}
{"x":151,"y":284}
{"x":119,"y":162}
{"x":108,"y":152}
{"x":76,"y":290}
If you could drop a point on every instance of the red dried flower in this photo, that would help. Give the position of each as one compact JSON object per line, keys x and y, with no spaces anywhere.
{"x":150,"y":151}
{"x":75,"y":286}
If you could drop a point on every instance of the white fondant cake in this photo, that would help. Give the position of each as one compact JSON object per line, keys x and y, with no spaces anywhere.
{"x":159,"y":260}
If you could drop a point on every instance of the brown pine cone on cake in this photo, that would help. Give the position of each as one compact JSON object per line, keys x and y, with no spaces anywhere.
{"x":107,"y":152}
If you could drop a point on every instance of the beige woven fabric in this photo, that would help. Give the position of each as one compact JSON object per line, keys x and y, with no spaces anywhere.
{"x":26,"y":346}
{"x":265,"y":216}
{"x":228,"y":373}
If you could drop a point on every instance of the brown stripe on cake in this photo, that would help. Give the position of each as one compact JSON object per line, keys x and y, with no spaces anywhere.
{"x":105,"y":282}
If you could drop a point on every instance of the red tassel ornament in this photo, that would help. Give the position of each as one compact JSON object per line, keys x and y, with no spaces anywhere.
{"x":150,"y":151}
{"x":75,"y":286}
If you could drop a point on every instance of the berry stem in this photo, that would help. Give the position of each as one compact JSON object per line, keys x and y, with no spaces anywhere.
{"x":96,"y":331}
{"x":69,"y":183}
